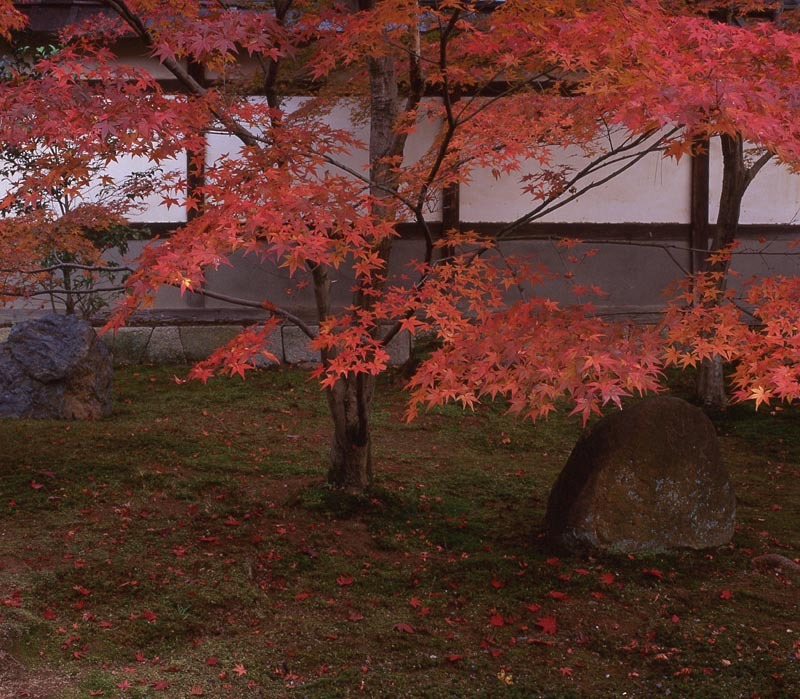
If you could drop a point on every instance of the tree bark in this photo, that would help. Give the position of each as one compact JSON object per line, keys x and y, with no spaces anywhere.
{"x":350,"y":402}
{"x":350,"y":398}
{"x":350,"y":405}
{"x":710,"y":383}
{"x":736,"y":177}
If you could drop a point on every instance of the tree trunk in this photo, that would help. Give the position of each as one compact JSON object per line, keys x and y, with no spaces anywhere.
{"x":350,"y":398}
{"x":710,"y":384}
{"x":350,"y":402}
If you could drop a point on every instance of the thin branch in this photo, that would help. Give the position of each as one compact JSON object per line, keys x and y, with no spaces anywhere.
{"x":487,"y":102}
{"x":553,"y":204}
{"x":452,"y":125}
{"x":443,"y":39}
{"x":183,"y":76}
{"x":511,"y":269}
{"x":275,"y":310}
{"x":361,"y":177}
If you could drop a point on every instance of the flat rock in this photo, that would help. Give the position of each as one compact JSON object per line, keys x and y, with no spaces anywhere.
{"x":647,"y":478}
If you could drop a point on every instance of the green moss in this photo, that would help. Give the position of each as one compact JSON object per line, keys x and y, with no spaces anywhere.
{"x":192,"y":533}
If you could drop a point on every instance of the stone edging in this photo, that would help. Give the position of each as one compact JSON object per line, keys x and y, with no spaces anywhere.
{"x":173,"y":344}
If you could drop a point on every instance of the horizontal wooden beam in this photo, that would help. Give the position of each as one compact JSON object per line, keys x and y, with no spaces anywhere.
{"x":636,"y":232}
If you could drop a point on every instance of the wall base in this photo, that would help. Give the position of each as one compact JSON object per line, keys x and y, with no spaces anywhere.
{"x":186,"y":344}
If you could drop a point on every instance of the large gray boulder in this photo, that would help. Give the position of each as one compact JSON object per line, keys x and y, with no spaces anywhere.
{"x":55,"y":367}
{"x":647,"y":478}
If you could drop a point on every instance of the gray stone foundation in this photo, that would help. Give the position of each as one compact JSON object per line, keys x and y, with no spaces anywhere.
{"x":180,"y":344}
{"x":185,"y":336}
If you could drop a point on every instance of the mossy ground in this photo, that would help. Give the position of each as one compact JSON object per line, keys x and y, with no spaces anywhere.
{"x":188,"y":546}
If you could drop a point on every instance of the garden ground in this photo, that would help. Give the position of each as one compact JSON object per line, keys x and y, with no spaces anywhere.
{"x":187,"y":546}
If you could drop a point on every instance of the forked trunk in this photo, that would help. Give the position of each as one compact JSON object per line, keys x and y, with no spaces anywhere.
{"x":350,"y":402}
{"x":710,"y":383}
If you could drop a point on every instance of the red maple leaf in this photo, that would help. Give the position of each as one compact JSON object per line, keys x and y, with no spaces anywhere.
{"x":653,"y":573}
{"x":548,"y":624}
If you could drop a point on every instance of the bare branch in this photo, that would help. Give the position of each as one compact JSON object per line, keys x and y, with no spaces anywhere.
{"x":609,"y":158}
{"x":275,"y":310}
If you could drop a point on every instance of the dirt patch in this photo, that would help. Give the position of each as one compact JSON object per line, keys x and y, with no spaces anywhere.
{"x":20,"y":682}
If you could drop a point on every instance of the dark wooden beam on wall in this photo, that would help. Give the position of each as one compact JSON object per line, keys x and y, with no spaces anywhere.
{"x":699,"y":224}
{"x":653,"y":232}
{"x":451,"y":208}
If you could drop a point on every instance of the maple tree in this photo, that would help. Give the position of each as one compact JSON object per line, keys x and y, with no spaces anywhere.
{"x":504,"y":85}
{"x":61,"y":210}
{"x":730,"y":77}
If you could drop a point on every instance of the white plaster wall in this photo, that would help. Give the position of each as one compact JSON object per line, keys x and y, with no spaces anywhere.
{"x":773,"y":196}
{"x":655,"y":190}
{"x":152,"y":208}
{"x":345,"y":116}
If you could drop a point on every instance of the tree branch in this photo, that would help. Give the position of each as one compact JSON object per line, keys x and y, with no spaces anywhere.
{"x":756,"y":167}
{"x":610,"y":158}
{"x":263,"y":306}
{"x":189,"y":83}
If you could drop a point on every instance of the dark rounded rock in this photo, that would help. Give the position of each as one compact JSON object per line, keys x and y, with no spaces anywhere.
{"x":55,"y":367}
{"x":647,"y":478}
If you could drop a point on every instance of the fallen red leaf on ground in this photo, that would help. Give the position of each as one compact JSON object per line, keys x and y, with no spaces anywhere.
{"x":548,"y":624}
